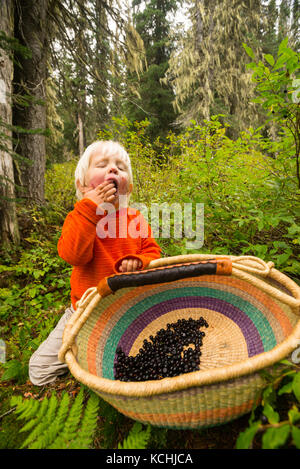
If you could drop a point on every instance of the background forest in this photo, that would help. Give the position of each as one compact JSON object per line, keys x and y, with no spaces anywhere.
{"x":204,"y":96}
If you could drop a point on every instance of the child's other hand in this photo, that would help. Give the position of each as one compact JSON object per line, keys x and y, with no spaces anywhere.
{"x":130,"y":265}
{"x":104,"y":192}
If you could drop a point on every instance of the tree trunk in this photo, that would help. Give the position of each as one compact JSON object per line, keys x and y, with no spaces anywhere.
{"x":81,"y":142}
{"x":30,"y":80}
{"x":9,"y":232}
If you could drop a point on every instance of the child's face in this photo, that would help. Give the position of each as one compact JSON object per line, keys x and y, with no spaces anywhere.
{"x":108,"y":168}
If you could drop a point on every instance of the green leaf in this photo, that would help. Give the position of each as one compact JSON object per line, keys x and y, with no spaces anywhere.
{"x":294,"y":414}
{"x":275,"y":437}
{"x":137,"y":438}
{"x":271,"y":414}
{"x":13,"y":369}
{"x":38,"y":273}
{"x":245,"y":438}
{"x":270,"y":59}
{"x":296,"y":386}
{"x":251,"y":65}
{"x":249,"y":50}
{"x":287,"y":388}
{"x":296,"y":436}
{"x":283,"y":45}
{"x":269,"y":395}
{"x":280,"y":62}
{"x":260,"y":224}
{"x":282,"y":258}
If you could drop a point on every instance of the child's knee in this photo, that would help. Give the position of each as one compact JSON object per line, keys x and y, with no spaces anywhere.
{"x":42,"y":371}
{"x":44,"y":365}
{"x":37,"y":371}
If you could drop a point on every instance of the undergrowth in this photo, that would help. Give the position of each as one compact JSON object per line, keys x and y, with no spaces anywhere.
{"x":229,"y":178}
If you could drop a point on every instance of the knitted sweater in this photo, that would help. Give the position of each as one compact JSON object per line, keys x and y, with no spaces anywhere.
{"x":95,"y":245}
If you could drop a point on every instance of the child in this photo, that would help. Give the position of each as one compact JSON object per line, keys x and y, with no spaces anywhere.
{"x":103,"y":180}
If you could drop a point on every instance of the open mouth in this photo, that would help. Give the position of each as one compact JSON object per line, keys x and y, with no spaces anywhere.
{"x":112,"y":181}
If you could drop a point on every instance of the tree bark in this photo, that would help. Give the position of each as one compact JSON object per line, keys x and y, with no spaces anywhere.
{"x":9,"y":232}
{"x":81,"y":143}
{"x":30,"y":80}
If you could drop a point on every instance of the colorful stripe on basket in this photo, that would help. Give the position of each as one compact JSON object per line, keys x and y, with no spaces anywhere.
{"x":193,"y":407}
{"x":256,"y":329}
{"x":124,"y":315}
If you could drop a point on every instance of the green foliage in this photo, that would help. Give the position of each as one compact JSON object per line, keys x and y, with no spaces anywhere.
{"x":249,"y":190}
{"x":35,"y":285}
{"x":58,"y":424}
{"x":270,"y":425}
{"x":60,"y":193}
{"x":277,"y":87}
{"x":202,"y":165}
{"x":34,"y":280}
{"x":11,"y":44}
{"x":16,"y":370}
{"x":137,"y":438}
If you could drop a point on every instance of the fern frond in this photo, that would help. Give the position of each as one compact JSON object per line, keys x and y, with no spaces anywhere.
{"x":57,"y":424}
{"x":88,"y":426}
{"x":71,"y":424}
{"x":36,"y":439}
{"x":27,"y":410}
{"x":40,"y":414}
{"x":137,"y":437}
{"x":54,"y":424}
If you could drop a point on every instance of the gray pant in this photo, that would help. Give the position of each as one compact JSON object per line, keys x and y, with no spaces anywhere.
{"x":44,"y":366}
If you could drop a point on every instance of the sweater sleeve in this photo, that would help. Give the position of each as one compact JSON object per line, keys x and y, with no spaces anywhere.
{"x":76,"y":242}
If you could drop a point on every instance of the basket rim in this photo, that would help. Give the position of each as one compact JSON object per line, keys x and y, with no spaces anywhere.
{"x":186,"y":380}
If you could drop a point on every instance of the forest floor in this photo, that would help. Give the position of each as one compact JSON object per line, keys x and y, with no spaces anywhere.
{"x":220,"y":437}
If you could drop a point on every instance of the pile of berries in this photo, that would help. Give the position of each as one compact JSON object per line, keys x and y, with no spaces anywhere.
{"x":173,"y":351}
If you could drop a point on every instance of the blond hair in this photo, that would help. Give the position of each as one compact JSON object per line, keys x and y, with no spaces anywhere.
{"x":106,"y":148}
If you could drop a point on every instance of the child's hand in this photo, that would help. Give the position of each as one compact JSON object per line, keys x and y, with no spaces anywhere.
{"x":105,"y":192}
{"x":130,"y":265}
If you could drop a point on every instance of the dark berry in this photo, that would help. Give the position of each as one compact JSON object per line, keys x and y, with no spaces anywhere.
{"x":164,"y":355}
{"x":264,"y":419}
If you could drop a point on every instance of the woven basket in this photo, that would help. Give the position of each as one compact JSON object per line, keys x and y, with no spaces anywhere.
{"x":253,"y":314}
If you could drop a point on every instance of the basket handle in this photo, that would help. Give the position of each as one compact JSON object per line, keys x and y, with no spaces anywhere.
{"x":164,"y":274}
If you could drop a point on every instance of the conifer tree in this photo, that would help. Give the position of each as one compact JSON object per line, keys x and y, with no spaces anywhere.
{"x":209,"y":73}
{"x":9,"y":232}
{"x":29,"y":113}
{"x":153,"y":99}
{"x":295,"y":26}
{"x":89,"y":70}
{"x":281,"y":20}
{"x":100,"y":86}
{"x":284,"y":19}
{"x":270,"y":41}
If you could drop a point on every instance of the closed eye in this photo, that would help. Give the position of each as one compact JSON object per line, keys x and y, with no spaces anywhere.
{"x":101,"y":164}
{"x":121,"y":165}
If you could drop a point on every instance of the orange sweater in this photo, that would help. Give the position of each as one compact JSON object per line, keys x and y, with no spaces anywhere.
{"x":95,"y":256}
